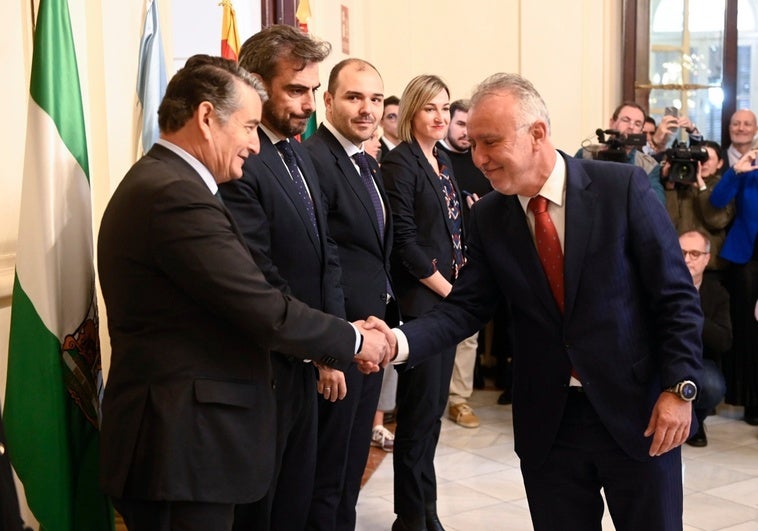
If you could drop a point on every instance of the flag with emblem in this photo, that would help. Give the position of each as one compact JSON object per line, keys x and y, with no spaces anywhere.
{"x":52,"y":401}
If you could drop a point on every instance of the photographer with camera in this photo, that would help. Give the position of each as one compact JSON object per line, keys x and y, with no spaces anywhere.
{"x":624,"y":136}
{"x":690,"y":175}
{"x":665,"y":133}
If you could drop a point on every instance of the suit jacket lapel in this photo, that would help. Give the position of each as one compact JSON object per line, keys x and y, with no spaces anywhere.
{"x":355,"y":181}
{"x":185,"y":170}
{"x":270,"y":157}
{"x":580,"y":209}
{"x":434,"y":180}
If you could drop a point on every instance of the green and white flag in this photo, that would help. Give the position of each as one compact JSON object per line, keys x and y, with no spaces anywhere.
{"x":52,"y":402}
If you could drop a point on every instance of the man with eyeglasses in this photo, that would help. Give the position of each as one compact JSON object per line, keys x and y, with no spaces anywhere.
{"x":629,"y":119}
{"x":717,"y":328}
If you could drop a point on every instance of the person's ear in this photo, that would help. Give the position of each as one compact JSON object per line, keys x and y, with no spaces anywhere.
{"x":203,"y":118}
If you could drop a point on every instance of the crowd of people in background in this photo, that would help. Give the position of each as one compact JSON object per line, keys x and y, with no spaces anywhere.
{"x":720,"y":204}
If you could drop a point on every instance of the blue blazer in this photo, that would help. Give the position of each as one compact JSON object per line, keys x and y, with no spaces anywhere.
{"x":632,"y":322}
{"x":743,"y":188}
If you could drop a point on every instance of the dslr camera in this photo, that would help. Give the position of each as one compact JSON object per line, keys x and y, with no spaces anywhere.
{"x":683,"y":160}
{"x":616,"y":143}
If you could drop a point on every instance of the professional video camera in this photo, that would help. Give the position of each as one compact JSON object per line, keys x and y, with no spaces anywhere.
{"x":616,"y":144}
{"x":683,"y":161}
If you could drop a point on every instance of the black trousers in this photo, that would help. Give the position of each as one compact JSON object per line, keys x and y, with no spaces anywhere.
{"x":344,"y":438}
{"x":421,"y":400}
{"x":564,"y":492}
{"x":741,"y":364}
{"x":142,"y":515}
{"x":285,"y":505}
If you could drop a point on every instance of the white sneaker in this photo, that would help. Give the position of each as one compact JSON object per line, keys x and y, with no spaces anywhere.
{"x":382,"y":438}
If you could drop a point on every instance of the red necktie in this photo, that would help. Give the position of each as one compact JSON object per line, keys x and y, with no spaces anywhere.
{"x":548,"y":247}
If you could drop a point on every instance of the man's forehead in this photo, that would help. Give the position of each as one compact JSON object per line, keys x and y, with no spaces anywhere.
{"x":631,"y":112}
{"x":744,"y":116}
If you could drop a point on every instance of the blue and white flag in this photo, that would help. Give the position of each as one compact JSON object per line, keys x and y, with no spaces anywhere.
{"x":151,"y":76}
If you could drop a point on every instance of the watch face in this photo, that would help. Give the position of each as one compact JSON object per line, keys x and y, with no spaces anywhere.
{"x":688,"y":390}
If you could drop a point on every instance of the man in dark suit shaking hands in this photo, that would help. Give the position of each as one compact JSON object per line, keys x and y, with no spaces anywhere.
{"x":277,"y":205}
{"x":606,"y":321}
{"x":361,"y":225}
{"x":189,"y":412}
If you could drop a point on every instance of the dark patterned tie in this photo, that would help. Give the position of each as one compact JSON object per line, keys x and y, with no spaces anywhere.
{"x":217,"y":195}
{"x":361,"y":159}
{"x":297,"y":178}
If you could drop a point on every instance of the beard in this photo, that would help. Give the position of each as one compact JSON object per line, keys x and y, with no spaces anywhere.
{"x":459,"y":145}
{"x":284,"y":123}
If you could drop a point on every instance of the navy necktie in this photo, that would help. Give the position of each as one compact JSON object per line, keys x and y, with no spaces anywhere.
{"x":361,"y":159}
{"x":290,"y":160}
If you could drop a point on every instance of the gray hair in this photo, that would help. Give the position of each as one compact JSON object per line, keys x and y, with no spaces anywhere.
{"x":204,"y":78}
{"x":531,"y":105}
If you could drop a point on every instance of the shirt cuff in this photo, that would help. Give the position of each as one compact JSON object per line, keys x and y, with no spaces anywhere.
{"x":403,"y":349}
{"x":358,"y":339}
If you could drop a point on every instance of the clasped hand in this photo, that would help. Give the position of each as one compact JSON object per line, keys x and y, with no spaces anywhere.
{"x":379,"y":345}
{"x":746,"y":162}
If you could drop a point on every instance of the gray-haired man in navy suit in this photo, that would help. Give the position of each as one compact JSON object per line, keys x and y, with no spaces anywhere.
{"x":606,"y":321}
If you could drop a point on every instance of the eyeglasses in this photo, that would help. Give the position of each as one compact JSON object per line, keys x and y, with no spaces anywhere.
{"x":634,"y":123}
{"x":694,"y":254}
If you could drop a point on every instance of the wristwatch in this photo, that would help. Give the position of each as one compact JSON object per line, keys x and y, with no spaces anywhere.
{"x":686,"y":390}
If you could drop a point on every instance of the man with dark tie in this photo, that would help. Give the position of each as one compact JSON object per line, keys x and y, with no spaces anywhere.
{"x":606,"y":321}
{"x":189,"y":410}
{"x":360,"y":224}
{"x":277,"y":205}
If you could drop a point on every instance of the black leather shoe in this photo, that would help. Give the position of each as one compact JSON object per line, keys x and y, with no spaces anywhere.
{"x":434,"y":524}
{"x":699,"y":439}
{"x":751,"y":415}
{"x":504,"y":398}
{"x":401,"y":524}
{"x":432,"y":520}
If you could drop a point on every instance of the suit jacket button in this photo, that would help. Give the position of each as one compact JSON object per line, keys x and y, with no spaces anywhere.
{"x":273,"y":385}
{"x":383,"y":298}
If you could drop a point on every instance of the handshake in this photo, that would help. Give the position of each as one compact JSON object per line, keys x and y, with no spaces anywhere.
{"x":379,"y":345}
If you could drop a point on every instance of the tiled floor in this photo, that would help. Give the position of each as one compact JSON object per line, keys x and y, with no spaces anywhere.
{"x":480,"y":487}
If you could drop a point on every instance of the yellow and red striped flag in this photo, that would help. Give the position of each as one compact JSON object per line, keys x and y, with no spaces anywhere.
{"x":230,"y":39}
{"x":303,"y":15}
